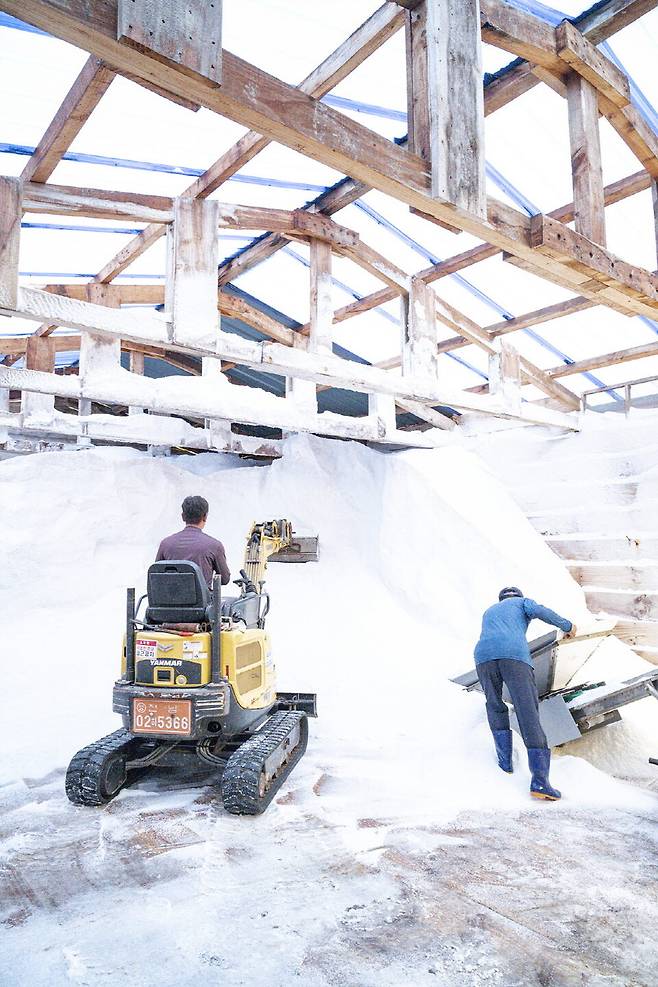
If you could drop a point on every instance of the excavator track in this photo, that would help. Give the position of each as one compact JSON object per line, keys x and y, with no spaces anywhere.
{"x":98,"y":772}
{"x":257,"y":769}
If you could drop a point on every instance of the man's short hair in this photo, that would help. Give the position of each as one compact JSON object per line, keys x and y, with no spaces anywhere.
{"x":195,"y":509}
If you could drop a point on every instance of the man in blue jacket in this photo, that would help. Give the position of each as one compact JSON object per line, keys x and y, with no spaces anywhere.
{"x":502,"y":657}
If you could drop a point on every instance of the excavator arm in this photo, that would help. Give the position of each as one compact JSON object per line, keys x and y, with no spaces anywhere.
{"x":264,"y":540}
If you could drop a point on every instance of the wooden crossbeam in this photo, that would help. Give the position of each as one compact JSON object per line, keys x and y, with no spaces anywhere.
{"x":520,"y":33}
{"x":65,"y":200}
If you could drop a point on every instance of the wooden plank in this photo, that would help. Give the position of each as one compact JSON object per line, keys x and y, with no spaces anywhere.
{"x":456,"y":104}
{"x":338,"y":65}
{"x":418,"y":119}
{"x":79,"y":103}
{"x":191,"y":286}
{"x":10,"y":231}
{"x":618,"y":357}
{"x":592,"y":64}
{"x":187,"y":33}
{"x":64,"y":200}
{"x":586,"y":168}
{"x":321,"y":307}
{"x":523,"y":34}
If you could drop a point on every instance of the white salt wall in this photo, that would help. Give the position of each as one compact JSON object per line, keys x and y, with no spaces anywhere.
{"x":414,"y":546}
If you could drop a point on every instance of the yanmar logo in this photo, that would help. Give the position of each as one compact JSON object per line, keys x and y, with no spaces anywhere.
{"x":169,"y":662}
{"x":165,"y":647}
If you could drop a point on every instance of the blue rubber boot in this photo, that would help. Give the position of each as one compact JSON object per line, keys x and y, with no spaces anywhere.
{"x":539,"y":761}
{"x":503,"y":742}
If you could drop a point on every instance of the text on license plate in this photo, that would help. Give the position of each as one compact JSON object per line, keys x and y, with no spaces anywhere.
{"x":162,"y":716}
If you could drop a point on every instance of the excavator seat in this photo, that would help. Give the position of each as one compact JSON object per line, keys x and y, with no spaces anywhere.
{"x":177,"y":593}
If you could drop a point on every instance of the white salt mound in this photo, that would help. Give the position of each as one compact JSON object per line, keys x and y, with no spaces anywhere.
{"x":413,"y":547}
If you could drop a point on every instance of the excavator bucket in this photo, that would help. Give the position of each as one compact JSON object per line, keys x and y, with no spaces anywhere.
{"x":304,"y":702}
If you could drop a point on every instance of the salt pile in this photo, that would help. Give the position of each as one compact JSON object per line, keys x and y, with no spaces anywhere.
{"x":414,"y":546}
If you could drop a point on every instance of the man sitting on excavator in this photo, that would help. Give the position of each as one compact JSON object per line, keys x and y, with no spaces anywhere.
{"x":194,"y":545}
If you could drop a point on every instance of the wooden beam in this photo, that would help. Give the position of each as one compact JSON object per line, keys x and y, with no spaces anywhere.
{"x":606,"y":19}
{"x":79,"y":103}
{"x":367,"y":38}
{"x":10,"y":231}
{"x":64,"y":200}
{"x":455,"y":104}
{"x":187,"y":34}
{"x":520,"y":33}
{"x":238,"y":308}
{"x":17,"y":345}
{"x":618,"y":357}
{"x":586,"y":168}
{"x":583,"y":258}
{"x":592,"y":65}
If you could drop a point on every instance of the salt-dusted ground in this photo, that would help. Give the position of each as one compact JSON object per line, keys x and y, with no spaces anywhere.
{"x":398,"y":852}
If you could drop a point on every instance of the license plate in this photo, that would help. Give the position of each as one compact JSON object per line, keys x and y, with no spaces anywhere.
{"x":169,"y":716}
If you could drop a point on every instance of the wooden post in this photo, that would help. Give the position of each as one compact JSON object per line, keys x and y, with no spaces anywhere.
{"x":322,"y":312}
{"x":98,"y":354}
{"x":654,"y":197}
{"x":191,"y":285}
{"x":382,"y":408}
{"x":505,"y":373}
{"x":136,"y":367}
{"x":586,"y":171}
{"x":420,"y":338}
{"x":456,"y":103}
{"x":418,"y":121}
{"x":10,"y":229}
{"x":39,"y":355}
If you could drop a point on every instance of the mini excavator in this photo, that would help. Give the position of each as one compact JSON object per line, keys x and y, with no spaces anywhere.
{"x":197,"y":684}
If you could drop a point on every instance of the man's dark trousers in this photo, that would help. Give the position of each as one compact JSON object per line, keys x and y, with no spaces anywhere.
{"x":519,"y":678}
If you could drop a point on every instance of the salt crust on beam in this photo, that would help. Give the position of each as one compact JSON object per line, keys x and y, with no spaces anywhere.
{"x":212,"y":399}
{"x":285,"y":360}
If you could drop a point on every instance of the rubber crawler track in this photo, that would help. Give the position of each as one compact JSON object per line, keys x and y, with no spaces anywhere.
{"x":85,"y":783}
{"x":241,"y":777}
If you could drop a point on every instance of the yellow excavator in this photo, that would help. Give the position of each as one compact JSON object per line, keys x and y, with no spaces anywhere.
{"x":198,"y":684}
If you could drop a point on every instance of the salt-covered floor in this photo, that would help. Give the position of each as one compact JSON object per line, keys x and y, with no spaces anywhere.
{"x":165,"y":888}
